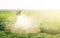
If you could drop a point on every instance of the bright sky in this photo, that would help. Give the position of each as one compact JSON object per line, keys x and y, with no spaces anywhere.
{"x":29,"y":4}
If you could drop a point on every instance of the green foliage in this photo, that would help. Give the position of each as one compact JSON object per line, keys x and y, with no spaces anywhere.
{"x":51,"y":28}
{"x":4,"y":34}
{"x":7,"y":18}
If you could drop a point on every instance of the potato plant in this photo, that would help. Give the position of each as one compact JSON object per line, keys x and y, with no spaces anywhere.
{"x":8,"y":18}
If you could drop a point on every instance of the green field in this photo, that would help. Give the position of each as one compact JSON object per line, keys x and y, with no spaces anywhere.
{"x":7,"y":18}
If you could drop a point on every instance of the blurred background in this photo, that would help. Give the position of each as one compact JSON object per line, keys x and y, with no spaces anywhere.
{"x":8,"y":9}
{"x":29,"y":4}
